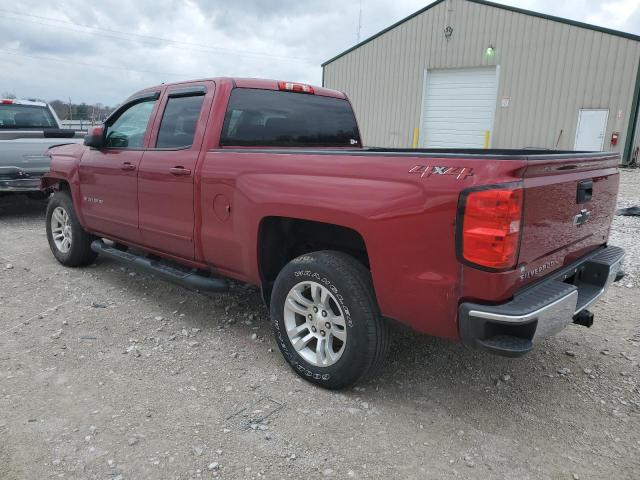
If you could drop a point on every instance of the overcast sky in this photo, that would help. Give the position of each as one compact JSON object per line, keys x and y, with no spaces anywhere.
{"x":102,"y":51}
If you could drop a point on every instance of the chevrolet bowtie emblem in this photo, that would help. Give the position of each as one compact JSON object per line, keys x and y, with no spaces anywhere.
{"x":582,"y":217}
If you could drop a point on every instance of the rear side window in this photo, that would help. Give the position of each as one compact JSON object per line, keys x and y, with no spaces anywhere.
{"x":285,"y":119}
{"x":179,"y":122}
{"x":26,"y":116}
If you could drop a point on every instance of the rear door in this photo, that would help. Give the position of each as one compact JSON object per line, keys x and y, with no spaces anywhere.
{"x":167,"y":171}
{"x":109,"y":176}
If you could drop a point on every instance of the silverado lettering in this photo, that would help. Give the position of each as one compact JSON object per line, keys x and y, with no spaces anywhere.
{"x":537,"y":270}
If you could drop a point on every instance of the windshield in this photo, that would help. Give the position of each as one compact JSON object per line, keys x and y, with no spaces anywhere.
{"x":14,"y":116}
{"x":284,"y":119}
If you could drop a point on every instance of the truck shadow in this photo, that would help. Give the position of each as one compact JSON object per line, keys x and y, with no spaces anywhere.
{"x":423,"y":375}
{"x":488,"y":393}
{"x":16,"y":206}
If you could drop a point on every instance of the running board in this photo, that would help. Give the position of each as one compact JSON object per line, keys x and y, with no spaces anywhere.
{"x":186,"y":277}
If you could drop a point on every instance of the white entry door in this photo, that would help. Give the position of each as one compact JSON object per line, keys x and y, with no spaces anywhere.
{"x":592,"y":127}
{"x":458,"y":107}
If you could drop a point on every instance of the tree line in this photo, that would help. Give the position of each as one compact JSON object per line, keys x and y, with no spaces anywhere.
{"x":80,"y":111}
{"x":96,"y":112}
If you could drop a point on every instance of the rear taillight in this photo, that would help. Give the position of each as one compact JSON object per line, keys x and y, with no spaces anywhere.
{"x":489,"y":227}
{"x":296,"y":87}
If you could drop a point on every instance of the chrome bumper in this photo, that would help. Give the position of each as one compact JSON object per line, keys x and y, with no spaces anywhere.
{"x":512,"y":329}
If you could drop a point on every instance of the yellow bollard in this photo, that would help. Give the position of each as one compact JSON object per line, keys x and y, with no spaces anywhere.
{"x":416,"y":133}
{"x":487,"y":136}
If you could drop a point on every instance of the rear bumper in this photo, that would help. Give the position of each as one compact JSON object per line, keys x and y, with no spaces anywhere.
{"x":544,"y":309}
{"x":24,"y":178}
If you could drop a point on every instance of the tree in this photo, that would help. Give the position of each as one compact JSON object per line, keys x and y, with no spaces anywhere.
{"x":80,"y":111}
{"x":61,"y":109}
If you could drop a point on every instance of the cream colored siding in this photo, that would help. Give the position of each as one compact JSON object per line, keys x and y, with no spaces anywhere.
{"x":548,"y":69}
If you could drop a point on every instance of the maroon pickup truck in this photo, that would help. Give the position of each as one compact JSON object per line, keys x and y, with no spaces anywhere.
{"x":267,"y":182}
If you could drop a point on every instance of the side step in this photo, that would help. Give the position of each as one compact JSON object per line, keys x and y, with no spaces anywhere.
{"x":506,"y":345}
{"x":186,"y":277}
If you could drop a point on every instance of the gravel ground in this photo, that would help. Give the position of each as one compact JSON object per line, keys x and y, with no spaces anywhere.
{"x":626,"y":230}
{"x":110,"y":374}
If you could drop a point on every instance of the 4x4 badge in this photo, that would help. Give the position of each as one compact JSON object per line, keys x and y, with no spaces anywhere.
{"x":460,"y":173}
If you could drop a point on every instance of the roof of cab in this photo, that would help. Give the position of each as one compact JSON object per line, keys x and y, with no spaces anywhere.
{"x":259,"y":83}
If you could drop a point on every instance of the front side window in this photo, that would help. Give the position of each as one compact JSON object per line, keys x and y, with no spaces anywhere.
{"x":178,"y":126}
{"x":128,"y":130}
{"x":26,"y":116}
{"x":284,"y":119}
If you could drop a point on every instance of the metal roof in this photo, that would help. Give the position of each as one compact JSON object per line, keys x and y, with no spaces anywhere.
{"x":496,"y":5}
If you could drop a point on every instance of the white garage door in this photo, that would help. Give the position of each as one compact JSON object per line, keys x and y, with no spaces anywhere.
{"x":458,"y":107}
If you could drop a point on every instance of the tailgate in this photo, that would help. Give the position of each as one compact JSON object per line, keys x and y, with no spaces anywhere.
{"x":569,"y":204}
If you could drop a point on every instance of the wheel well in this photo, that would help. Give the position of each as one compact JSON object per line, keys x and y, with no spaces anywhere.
{"x":54,"y":184}
{"x":281,"y":239}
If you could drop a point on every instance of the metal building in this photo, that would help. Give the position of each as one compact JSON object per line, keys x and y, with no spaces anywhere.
{"x":475,"y":74}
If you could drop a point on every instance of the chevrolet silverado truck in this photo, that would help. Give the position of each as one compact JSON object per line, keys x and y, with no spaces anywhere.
{"x":27,"y":130}
{"x":267,"y":183}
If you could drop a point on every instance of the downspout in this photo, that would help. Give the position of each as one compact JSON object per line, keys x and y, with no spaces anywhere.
{"x":633,"y":121}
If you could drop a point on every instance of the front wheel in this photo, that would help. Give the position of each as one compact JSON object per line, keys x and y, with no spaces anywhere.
{"x":69,"y":242}
{"x":326,"y":319}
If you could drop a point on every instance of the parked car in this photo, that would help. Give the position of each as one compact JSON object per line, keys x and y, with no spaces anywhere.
{"x":267,"y":182}
{"x":27,"y":130}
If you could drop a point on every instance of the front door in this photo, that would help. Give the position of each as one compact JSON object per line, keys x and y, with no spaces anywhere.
{"x":167,"y":170}
{"x":109,"y":176}
{"x":592,"y":126}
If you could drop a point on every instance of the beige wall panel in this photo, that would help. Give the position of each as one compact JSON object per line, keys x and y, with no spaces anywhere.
{"x":548,"y":69}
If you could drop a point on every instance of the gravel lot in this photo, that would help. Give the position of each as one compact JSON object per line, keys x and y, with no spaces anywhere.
{"x":110,"y":374}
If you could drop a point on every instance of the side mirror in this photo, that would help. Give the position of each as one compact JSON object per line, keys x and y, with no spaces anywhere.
{"x":95,"y":138}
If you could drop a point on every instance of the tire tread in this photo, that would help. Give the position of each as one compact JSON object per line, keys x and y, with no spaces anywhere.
{"x":357,"y":280}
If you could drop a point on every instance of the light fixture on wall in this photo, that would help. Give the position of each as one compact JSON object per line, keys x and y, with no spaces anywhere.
{"x":490,"y":51}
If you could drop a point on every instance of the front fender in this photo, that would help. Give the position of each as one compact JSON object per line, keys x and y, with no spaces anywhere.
{"x":65,"y":162}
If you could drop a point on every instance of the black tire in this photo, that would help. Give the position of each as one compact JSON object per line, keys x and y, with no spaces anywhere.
{"x":80,"y":252}
{"x":367,"y":333}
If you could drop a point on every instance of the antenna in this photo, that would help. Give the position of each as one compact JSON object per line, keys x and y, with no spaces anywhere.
{"x":359,"y":21}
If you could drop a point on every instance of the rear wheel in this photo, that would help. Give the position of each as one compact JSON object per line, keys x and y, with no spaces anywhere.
{"x":326,"y":319}
{"x":69,"y":242}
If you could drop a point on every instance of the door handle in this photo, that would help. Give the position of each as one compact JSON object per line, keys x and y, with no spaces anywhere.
{"x":128,"y":166}
{"x":180,"y":171}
